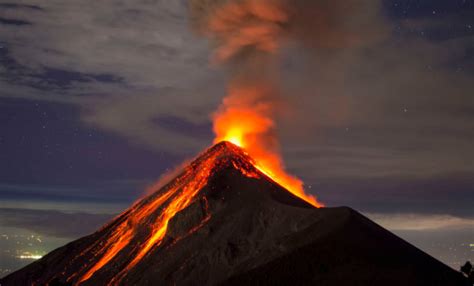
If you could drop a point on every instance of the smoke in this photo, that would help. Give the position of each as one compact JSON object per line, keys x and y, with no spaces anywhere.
{"x":337,"y":24}
{"x":243,"y":27}
{"x":248,"y":37}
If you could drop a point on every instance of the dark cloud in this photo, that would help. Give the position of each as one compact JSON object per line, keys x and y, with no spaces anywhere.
{"x":442,"y":195}
{"x":416,"y":222}
{"x":198,"y":131}
{"x":99,"y":192}
{"x":53,"y":223}
{"x":46,"y":78}
{"x":136,"y":61}
{"x":400,"y":108}
{"x":18,"y":6}
{"x":14,"y":22}
{"x":327,"y":26}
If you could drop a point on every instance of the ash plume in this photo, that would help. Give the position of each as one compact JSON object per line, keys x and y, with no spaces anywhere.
{"x":240,"y":27}
{"x":247,"y":36}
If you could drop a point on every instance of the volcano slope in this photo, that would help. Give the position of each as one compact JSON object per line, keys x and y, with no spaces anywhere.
{"x":223,"y":222}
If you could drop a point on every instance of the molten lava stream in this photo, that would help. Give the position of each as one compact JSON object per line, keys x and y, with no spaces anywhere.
{"x":292,"y":184}
{"x":176,"y":198}
{"x":245,"y":120}
{"x":124,"y":233}
{"x":178,"y":203}
{"x":270,"y":164}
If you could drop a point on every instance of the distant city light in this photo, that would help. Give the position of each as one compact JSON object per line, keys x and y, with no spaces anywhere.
{"x":30,"y":256}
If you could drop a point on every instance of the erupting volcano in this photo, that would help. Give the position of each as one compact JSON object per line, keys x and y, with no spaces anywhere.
{"x":224,"y":221}
{"x":234,"y":216}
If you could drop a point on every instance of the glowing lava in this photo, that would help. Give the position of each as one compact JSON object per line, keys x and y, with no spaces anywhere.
{"x":248,"y":123}
{"x":152,"y":215}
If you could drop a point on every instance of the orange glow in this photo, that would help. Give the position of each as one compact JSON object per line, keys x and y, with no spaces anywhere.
{"x":159,"y":227}
{"x":151,"y":215}
{"x":249,"y":125}
{"x":123,"y":234}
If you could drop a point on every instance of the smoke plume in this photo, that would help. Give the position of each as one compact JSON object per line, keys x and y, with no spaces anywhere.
{"x":247,"y":36}
{"x":241,"y":26}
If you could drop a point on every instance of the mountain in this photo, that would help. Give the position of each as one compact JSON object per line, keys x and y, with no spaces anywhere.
{"x":223,"y":222}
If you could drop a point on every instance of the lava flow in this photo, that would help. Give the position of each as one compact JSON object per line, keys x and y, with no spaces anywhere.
{"x":151,"y":216}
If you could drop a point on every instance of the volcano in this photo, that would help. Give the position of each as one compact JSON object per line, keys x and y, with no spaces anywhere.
{"x":221,"y":221}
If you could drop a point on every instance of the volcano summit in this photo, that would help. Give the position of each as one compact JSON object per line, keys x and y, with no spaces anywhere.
{"x":224,"y":222}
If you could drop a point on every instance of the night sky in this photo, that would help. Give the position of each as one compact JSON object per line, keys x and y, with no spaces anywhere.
{"x":99,"y":98}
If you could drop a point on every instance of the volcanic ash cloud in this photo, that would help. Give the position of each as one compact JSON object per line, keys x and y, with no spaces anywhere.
{"x":247,"y":36}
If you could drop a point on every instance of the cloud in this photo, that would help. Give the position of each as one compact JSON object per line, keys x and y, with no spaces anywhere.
{"x":53,"y":223}
{"x":128,"y":64}
{"x":98,"y":192}
{"x":389,"y":104}
{"x":421,"y":222}
{"x":400,"y":108}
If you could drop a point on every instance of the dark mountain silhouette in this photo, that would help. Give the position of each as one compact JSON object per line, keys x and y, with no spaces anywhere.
{"x":223,"y":222}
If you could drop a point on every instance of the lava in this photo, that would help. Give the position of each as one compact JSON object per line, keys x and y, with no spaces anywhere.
{"x":248,"y":123}
{"x":159,"y":227}
{"x":153,"y":213}
{"x":124,"y":233}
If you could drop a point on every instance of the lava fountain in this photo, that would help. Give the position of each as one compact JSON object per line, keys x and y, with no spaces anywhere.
{"x":251,"y":128}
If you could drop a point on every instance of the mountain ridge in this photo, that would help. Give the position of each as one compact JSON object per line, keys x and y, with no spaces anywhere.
{"x":223,"y":222}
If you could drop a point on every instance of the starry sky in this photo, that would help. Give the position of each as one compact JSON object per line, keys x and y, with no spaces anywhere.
{"x":99,"y":98}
